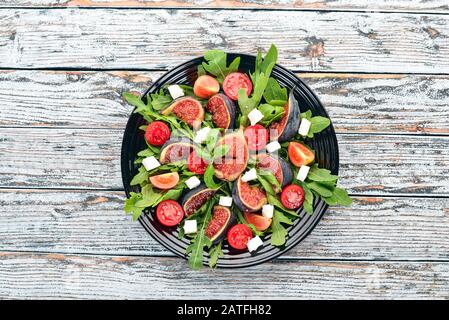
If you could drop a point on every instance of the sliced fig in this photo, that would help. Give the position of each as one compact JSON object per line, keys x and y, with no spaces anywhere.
{"x":175,"y":149}
{"x":288,"y":126}
{"x":195,"y":198}
{"x":235,"y":161}
{"x":247,"y":197}
{"x":187,"y":109}
{"x":277,"y":166}
{"x":222,"y":219}
{"x":223,"y":111}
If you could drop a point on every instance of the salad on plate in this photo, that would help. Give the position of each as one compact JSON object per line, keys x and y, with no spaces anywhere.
{"x":228,"y":160}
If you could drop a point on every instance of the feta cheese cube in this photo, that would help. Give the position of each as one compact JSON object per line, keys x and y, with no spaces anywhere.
{"x":304,"y":127}
{"x":225,"y":201}
{"x":190,"y":226}
{"x":150,"y":163}
{"x":175,"y":91}
{"x":255,"y":116}
{"x":249,"y":175}
{"x":267,"y":211}
{"x":193,"y":182}
{"x":201,"y":135}
{"x":302,"y":173}
{"x":254,"y":243}
{"x":273,"y":146}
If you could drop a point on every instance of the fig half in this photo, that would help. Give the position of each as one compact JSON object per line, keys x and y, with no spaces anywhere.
{"x":195,"y":198}
{"x":175,"y":149}
{"x":288,"y":126}
{"x":247,"y":197}
{"x":222,"y":219}
{"x":223,"y":111}
{"x":231,"y":166}
{"x":187,"y":109}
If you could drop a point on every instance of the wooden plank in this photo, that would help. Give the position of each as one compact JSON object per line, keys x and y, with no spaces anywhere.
{"x":92,"y":277}
{"x":153,"y":39}
{"x":94,"y":223}
{"x":404,"y":5}
{"x":89,"y":158}
{"x":378,"y":103}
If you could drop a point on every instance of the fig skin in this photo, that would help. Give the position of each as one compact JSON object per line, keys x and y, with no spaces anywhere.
{"x":224,"y":229}
{"x":174,"y":141}
{"x":189,"y":196}
{"x":230,"y":109}
{"x":291,"y":125}
{"x":239,"y":201}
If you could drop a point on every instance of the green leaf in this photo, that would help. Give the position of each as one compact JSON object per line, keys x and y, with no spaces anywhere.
{"x":274,"y":92}
{"x":273,"y":200}
{"x":220,"y":151}
{"x":308,"y":198}
{"x":216,"y":64}
{"x":323,"y":191}
{"x":159,"y":100}
{"x":317,"y":125}
{"x":279,"y":233}
{"x":270,"y":113}
{"x":266,"y":185}
{"x":201,"y":71}
{"x":215,"y":253}
{"x":318,"y":174}
{"x":140,"y":177}
{"x":135,"y":101}
{"x":209,"y":177}
{"x":269,"y":176}
{"x":130,"y":205}
{"x":339,"y":196}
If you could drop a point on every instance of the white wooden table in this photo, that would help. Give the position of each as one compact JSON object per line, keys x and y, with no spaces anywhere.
{"x":381,"y":68}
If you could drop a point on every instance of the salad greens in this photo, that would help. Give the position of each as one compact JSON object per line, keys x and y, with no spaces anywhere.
{"x":270,"y":98}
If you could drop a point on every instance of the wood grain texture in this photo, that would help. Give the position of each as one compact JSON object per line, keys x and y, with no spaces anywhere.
{"x":41,"y":276}
{"x":89,"y":158}
{"x":406,"y":5}
{"x":94,"y":223}
{"x":369,"y":103}
{"x":153,"y":39}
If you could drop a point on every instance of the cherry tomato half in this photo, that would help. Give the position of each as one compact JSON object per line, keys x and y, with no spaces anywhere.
{"x":169,"y":213}
{"x":157,"y":133}
{"x":239,"y":235}
{"x":196,"y":164}
{"x":234,"y":82}
{"x":292,"y":196}
{"x":257,"y":137}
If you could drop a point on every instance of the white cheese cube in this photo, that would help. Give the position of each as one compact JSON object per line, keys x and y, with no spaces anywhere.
{"x":302,"y":173}
{"x":201,"y":135}
{"x":254,"y":243}
{"x":150,"y":163}
{"x":255,"y":116}
{"x":225,"y":201}
{"x":304,"y":127}
{"x":193,"y":182}
{"x":190,"y":226}
{"x":175,"y":91}
{"x":249,"y":175}
{"x":273,"y":146}
{"x":267,"y":211}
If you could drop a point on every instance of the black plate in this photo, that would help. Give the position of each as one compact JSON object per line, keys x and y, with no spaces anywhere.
{"x":325,"y":145}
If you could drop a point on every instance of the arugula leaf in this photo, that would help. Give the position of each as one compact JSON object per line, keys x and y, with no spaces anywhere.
{"x":130,"y":205}
{"x":339,"y":196}
{"x":322,"y":190}
{"x":320,"y":175}
{"x":220,"y":151}
{"x":274,"y":92}
{"x":134,"y":100}
{"x":308,"y":198}
{"x":140,"y":177}
{"x":200,"y":241}
{"x":269,"y":176}
{"x":209,"y":177}
{"x":266,"y":64}
{"x":318,"y":123}
{"x":265,"y":184}
{"x":270,"y":113}
{"x":279,"y":233}
{"x":215,"y":64}
{"x":215,"y":253}
{"x":273,"y":200}
{"x":158,"y":100}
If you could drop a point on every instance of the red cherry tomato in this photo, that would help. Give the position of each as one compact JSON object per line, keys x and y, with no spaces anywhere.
{"x":196,"y":164}
{"x":169,"y":213}
{"x":256,"y":136}
{"x":292,"y":196}
{"x":234,"y":82}
{"x":206,"y":86}
{"x":157,"y":133}
{"x":239,"y":235}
